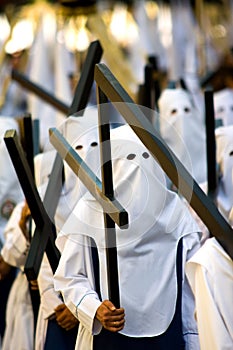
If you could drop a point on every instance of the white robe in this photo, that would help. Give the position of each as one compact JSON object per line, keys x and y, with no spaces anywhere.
{"x":210,"y":273}
{"x":19,"y":332}
{"x":157,"y":221}
{"x":81,"y":132}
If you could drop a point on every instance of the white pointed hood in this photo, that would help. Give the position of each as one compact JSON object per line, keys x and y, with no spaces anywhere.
{"x":182,"y":130}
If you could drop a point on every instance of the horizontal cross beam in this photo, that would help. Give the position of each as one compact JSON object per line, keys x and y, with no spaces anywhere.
{"x":26,"y":83}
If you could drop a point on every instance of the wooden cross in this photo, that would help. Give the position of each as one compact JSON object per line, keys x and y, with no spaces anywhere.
{"x":30,"y":142}
{"x":45,"y":229}
{"x":43,"y":213}
{"x":187,"y":186}
{"x":103,"y":193}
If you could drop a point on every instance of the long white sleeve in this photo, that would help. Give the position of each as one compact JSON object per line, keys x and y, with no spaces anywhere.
{"x":74,"y":279}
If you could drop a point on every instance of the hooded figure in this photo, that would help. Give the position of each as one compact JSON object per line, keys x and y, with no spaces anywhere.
{"x":81,"y":132}
{"x":224,"y":155}
{"x":10,"y":195}
{"x":182,"y":130}
{"x":147,"y":256}
{"x":223,"y":106}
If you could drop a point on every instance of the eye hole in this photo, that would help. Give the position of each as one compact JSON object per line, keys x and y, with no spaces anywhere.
{"x":79,"y":147}
{"x":173,"y":111}
{"x":94,"y":144}
{"x":231,"y":108}
{"x":231,"y":153}
{"x":145,"y":155}
{"x":220,"y":110}
{"x":131,"y":156}
{"x":187,"y":109}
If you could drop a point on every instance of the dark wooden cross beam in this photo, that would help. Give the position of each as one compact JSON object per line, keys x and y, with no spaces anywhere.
{"x":45,"y":233}
{"x":202,"y":205}
{"x":46,"y":96}
{"x":103,"y":193}
{"x":85,"y":83}
{"x":36,"y":136}
{"x":212,"y":180}
{"x":28,"y":139}
{"x":26,"y":132}
{"x":153,"y":60}
{"x":41,"y":240}
{"x":146,"y":91}
{"x":107,"y":189}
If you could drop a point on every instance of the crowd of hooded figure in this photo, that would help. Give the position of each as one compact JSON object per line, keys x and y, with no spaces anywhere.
{"x":175,"y":279}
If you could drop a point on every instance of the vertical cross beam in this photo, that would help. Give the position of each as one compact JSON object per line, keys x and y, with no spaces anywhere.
{"x":85,"y":83}
{"x":107,"y":188}
{"x":26,"y":131}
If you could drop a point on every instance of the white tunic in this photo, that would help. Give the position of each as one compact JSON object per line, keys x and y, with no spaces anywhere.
{"x":19,"y":315}
{"x":157,"y":221}
{"x":81,"y":132}
{"x":210,"y":273}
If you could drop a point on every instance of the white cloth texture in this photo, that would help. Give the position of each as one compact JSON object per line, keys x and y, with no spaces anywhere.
{"x":210,"y":275}
{"x":19,"y":332}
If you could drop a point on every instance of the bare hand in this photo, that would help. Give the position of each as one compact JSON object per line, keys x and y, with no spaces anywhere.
{"x":65,"y":318}
{"x":111,"y":318}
